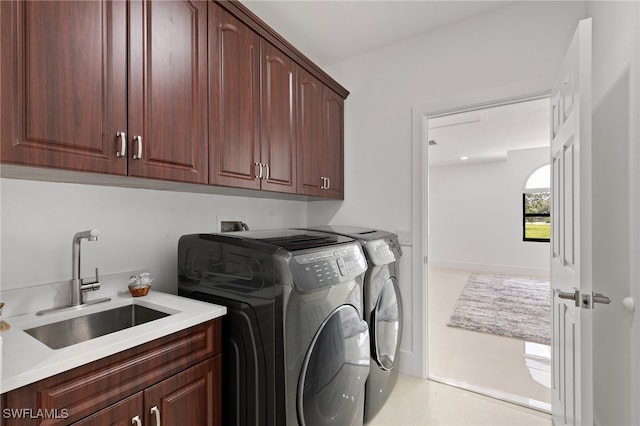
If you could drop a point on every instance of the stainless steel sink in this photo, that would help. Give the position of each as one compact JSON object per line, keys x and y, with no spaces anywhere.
{"x":75,"y":330}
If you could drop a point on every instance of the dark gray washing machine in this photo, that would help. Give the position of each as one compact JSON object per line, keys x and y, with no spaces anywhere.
{"x":295,"y":346}
{"x":382,"y":308}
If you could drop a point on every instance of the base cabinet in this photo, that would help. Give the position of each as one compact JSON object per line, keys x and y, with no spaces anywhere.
{"x":188,"y":398}
{"x":126,"y":412}
{"x":174,"y":380}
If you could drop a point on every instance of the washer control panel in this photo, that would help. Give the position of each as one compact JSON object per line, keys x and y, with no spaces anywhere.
{"x":328,"y":267}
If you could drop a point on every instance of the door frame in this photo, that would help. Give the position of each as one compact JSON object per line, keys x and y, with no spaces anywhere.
{"x":415,"y":356}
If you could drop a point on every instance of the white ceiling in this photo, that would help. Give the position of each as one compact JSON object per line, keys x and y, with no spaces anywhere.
{"x":329,"y":32}
{"x":488,"y":134}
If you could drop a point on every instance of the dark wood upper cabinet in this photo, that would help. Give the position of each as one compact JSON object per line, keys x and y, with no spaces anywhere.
{"x":252,"y":117}
{"x":279,"y":117}
{"x":183,"y":90}
{"x":333,"y":153}
{"x":310,"y":131}
{"x":321,"y":136}
{"x":81,"y":74}
{"x":168,"y":90}
{"x":234,"y":84}
{"x":63,"y":86}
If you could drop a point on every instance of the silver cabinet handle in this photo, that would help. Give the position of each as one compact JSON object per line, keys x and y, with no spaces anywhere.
{"x":123,"y":144}
{"x":263,"y":171}
{"x":154,"y":410}
{"x":326,"y":183}
{"x":136,"y":421}
{"x":138,"y":155}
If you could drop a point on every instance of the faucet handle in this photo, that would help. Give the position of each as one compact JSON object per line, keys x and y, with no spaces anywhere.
{"x":93,"y":285}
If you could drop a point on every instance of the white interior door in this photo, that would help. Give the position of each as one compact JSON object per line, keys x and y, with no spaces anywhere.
{"x":571,"y":254}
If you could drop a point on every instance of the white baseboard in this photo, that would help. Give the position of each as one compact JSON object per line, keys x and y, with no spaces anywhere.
{"x":410,"y":365}
{"x":483,"y":267}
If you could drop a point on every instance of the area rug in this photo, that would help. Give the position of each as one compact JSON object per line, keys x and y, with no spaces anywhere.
{"x":512,"y":306}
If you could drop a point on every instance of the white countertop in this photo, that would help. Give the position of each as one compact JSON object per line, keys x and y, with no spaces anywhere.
{"x":26,"y":360}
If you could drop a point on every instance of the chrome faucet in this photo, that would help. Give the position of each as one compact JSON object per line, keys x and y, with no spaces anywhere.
{"x":78,"y":285}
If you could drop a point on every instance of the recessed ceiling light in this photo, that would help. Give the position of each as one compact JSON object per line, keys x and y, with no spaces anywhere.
{"x":464,"y":158}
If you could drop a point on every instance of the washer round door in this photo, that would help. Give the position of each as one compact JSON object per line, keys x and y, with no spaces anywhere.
{"x":386,"y":324}
{"x":334,"y":371}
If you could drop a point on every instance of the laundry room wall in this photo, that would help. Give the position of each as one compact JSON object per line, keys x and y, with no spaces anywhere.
{"x":475,"y":216}
{"x":139,"y":228}
{"x":521,"y":43}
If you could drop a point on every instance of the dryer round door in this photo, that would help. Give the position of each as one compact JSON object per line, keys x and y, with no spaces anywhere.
{"x":334,"y":371}
{"x":386,"y":325}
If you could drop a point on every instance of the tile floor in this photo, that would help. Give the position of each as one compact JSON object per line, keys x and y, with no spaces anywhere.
{"x":499,"y":366}
{"x":415,"y":402}
{"x":502,"y":367}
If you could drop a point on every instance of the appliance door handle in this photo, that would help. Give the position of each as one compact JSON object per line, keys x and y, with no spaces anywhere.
{"x":123,"y":144}
{"x":138,"y":140}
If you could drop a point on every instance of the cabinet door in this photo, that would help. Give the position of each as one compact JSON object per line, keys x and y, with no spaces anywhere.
{"x":234,"y":80}
{"x":63,"y":89}
{"x":310,"y":133}
{"x":121,"y":413}
{"x":278,"y":119}
{"x":188,"y":398}
{"x":333,"y":146}
{"x":168,"y":90}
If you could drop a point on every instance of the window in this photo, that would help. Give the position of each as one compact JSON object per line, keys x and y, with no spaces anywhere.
{"x":536,"y":206}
